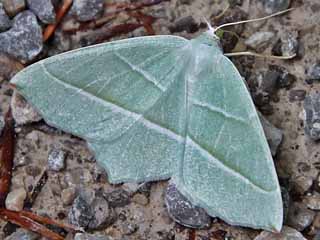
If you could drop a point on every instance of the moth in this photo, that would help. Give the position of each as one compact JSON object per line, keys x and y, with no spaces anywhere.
{"x":160,"y":107}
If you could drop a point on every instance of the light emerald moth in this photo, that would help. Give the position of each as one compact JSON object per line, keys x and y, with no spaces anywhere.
{"x":160,"y":107}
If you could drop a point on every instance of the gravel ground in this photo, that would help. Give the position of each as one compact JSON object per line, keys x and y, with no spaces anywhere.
{"x":77,"y":190}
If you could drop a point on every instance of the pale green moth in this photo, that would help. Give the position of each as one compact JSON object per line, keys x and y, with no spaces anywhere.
{"x":162,"y":107}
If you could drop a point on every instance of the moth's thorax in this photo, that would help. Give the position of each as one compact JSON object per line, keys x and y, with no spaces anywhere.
{"x":207,"y":42}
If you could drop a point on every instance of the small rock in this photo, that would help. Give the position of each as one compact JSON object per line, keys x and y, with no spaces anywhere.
{"x":8,"y":66}
{"x":15,"y":199}
{"x":187,"y":24}
{"x":24,"y":39}
{"x":43,"y":9}
{"x":68,"y":195}
{"x":87,"y":10}
{"x":1,"y":123}
{"x":299,"y":217}
{"x":78,"y":176}
{"x":128,"y":228}
{"x":274,"y":135}
{"x":287,"y":233}
{"x":289,"y":44}
{"x":86,"y":236}
{"x":56,"y":159}
{"x":312,"y":116}
{"x":90,"y":211}
{"x":183,"y":212}
{"x":297,"y":95}
{"x":13,"y":7}
{"x":313,"y":72}
{"x":131,"y":188}
{"x":273,"y":6}
{"x":140,"y":199}
{"x":22,"y":234}
{"x":103,"y":216}
{"x":259,"y":40}
{"x":286,"y":200}
{"x":22,"y":111}
{"x":118,"y":198}
{"x":5,"y":22}
{"x":302,"y":184}
{"x":312,"y":201}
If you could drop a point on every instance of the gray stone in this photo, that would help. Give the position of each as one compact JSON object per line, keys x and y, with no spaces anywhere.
{"x":312,"y":116}
{"x":297,"y":95}
{"x":56,"y":159}
{"x":302,"y":184}
{"x":1,"y":123}
{"x":15,"y":199}
{"x":313,"y":72}
{"x":90,"y":211}
{"x":22,"y":234}
{"x":183,"y":211}
{"x":24,"y":39}
{"x":86,"y":236}
{"x":5,"y":22}
{"x":187,"y":24}
{"x":22,"y":111}
{"x":299,"y":217}
{"x":13,"y":7}
{"x":68,"y":195}
{"x":290,"y":43}
{"x":274,"y":135}
{"x":118,"y":198}
{"x":312,"y":201}
{"x":43,"y":9}
{"x":259,"y":40}
{"x":273,"y":6}
{"x":87,"y":10}
{"x":287,"y":233}
{"x":128,"y":228}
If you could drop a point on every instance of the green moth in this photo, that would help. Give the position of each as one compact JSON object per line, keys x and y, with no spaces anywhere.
{"x":161,"y":107}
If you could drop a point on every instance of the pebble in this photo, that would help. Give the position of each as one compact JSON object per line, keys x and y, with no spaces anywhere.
{"x":273,"y":6}
{"x":274,"y":135}
{"x":299,"y":217}
{"x":56,"y":159}
{"x":68,"y":195}
{"x":86,"y":236}
{"x":43,"y":9}
{"x":5,"y":22}
{"x":287,"y":45}
{"x":78,"y":176}
{"x":302,"y":184}
{"x":13,"y":7}
{"x":24,"y":39}
{"x":22,"y":234}
{"x":312,"y":116}
{"x":297,"y":95}
{"x":118,"y":198}
{"x":140,"y":199}
{"x":128,"y":228}
{"x":8,"y":66}
{"x":259,"y":40}
{"x":287,"y":233}
{"x":1,"y":123}
{"x":312,"y":201}
{"x":183,"y":211}
{"x":313,"y":72}
{"x":90,"y":211}
{"x":15,"y":199}
{"x":187,"y":24}
{"x":22,"y":111}
{"x":87,"y":10}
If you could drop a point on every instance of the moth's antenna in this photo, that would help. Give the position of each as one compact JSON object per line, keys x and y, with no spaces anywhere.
{"x":211,"y":29}
{"x":254,"y":20}
{"x":259,"y":55}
